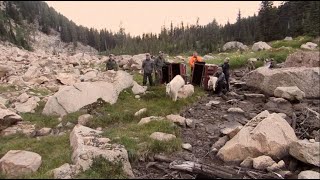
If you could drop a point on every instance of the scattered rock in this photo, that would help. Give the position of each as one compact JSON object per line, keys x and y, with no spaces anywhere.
{"x":247,"y":163}
{"x":44,"y":131}
{"x":177,"y":119}
{"x":309,"y":46}
{"x":23,"y":127}
{"x":17,"y":163}
{"x":23,"y":97}
{"x":187,"y":146}
{"x":279,"y":105}
{"x":66,"y":171}
{"x":231,"y":129}
{"x":288,"y":38}
{"x":262,"y":162}
{"x":210,"y":103}
{"x":28,"y":106}
{"x":190,"y":123}
{"x":140,"y":112}
{"x":306,"y":151}
{"x":159,"y":136}
{"x":303,"y":59}
{"x":276,"y":166}
{"x":234,"y":45}
{"x":84,"y":119}
{"x":149,"y":119}
{"x":137,"y":89}
{"x":309,"y":175}
{"x":235,"y":110}
{"x":258,"y":46}
{"x":255,"y":97}
{"x":290,"y":93}
{"x":8,"y":118}
{"x":137,"y":96}
{"x":221,"y":142}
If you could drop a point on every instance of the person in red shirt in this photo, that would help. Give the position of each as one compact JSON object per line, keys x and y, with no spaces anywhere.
{"x":193,"y":59}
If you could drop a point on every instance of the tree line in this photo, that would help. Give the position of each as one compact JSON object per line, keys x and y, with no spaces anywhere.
{"x":291,"y":18}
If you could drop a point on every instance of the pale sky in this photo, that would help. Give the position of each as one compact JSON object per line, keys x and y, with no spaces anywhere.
{"x":139,"y":17}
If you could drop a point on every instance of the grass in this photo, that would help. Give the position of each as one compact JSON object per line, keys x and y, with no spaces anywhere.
{"x":41,"y":91}
{"x":54,"y":150}
{"x":103,"y":169}
{"x":295,"y":43}
{"x":10,"y":88}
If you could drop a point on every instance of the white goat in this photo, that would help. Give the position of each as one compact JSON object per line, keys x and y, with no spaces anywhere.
{"x":212,"y":82}
{"x":174,"y":86}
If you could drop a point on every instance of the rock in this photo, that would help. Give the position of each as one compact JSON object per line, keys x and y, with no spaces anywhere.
{"x":4,"y":70}
{"x":149,"y":119}
{"x":23,"y":127}
{"x":70,"y":125}
{"x":290,"y":93}
{"x":40,"y":80}
{"x":210,"y":103}
{"x":89,"y":75}
{"x":235,"y":110}
{"x":264,"y":79}
{"x":308,"y":175}
{"x":140,"y":112}
{"x":3,"y":101}
{"x":66,"y":171}
{"x":279,"y":105}
{"x":288,"y":38}
{"x":306,"y":151}
{"x":265,"y":134}
{"x":137,"y":89}
{"x":190,"y":123}
{"x":309,"y":46}
{"x":87,"y":144}
{"x":186,"y":91}
{"x":28,"y":106}
{"x":177,"y":119}
{"x":71,"y":98}
{"x":221,"y":142}
{"x":44,"y":131}
{"x":187,"y":146}
{"x":159,"y":136}
{"x":207,"y":57}
{"x":7,"y":118}
{"x":276,"y":166}
{"x":84,"y":119}
{"x":236,"y":115}
{"x":312,"y":140}
{"x":66,"y":78}
{"x":23,"y":97}
{"x":262,"y":162}
{"x":234,"y":45}
{"x":32,"y":73}
{"x":231,"y":129}
{"x":258,"y":46}
{"x":17,"y":163}
{"x":247,"y":163}
{"x":303,"y":59}
{"x":137,"y":96}
{"x":255,"y":97}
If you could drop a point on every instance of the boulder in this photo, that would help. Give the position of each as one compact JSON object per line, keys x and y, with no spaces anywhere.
{"x":309,"y":46}
{"x":17,"y":163}
{"x":288,"y":38}
{"x":23,"y":127}
{"x":84,"y":119}
{"x":8,"y":118}
{"x":276,"y":166}
{"x":265,"y":134}
{"x":262,"y":162}
{"x":210,"y":103}
{"x":186,"y":146}
{"x":159,"y":136}
{"x":71,"y":98}
{"x":231,"y":128}
{"x":66,"y":78}
{"x":186,"y":91}
{"x":66,"y":171}
{"x":149,"y":119}
{"x":190,"y":123}
{"x":175,"y":118}
{"x":306,"y":79}
{"x":137,"y":89}
{"x":88,"y":144}
{"x":290,"y":93}
{"x":308,"y":175}
{"x":258,"y":46}
{"x":255,"y":97}
{"x":28,"y":106}
{"x":32,"y":73}
{"x":140,"y":112}
{"x":303,"y":59}
{"x":306,"y":151}
{"x":247,"y":163}
{"x":236,"y":115}
{"x":44,"y":132}
{"x":279,"y":105}
{"x":234,"y":45}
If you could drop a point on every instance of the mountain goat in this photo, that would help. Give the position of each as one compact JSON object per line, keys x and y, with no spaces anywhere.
{"x":212,"y":82}
{"x":174,"y":86}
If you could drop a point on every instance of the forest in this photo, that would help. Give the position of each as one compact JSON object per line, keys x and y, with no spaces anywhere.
{"x":291,"y":18}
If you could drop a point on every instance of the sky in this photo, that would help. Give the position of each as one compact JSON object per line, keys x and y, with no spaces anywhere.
{"x":138,"y":17}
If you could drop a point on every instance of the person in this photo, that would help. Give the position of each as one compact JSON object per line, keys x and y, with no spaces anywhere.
{"x":147,"y":67}
{"x":225,"y":68}
{"x":193,"y":59}
{"x":111,"y":63}
{"x":159,"y":63}
{"x":221,"y":82}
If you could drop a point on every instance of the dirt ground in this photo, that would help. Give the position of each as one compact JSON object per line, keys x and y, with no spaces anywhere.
{"x":208,"y":122}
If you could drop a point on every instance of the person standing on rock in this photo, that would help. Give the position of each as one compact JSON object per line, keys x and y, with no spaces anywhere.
{"x":225,"y":68}
{"x":193,"y":59}
{"x":221,"y":82}
{"x":111,"y":63}
{"x":159,"y":63}
{"x":147,"y":68}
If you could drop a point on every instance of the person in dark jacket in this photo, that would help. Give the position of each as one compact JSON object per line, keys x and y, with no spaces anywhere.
{"x":158,"y":64}
{"x":221,"y":82}
{"x":225,"y":68}
{"x":111,"y":63}
{"x":147,"y":67}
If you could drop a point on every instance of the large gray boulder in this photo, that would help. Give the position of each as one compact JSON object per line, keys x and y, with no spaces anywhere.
{"x":265,"y":134}
{"x":306,"y":151}
{"x":267,"y":80}
{"x":17,"y":163}
{"x":258,"y":46}
{"x":29,"y":106}
{"x":71,"y":98}
{"x":308,"y":175}
{"x":290,"y":93}
{"x":309,"y":46}
{"x":234,"y":45}
{"x":303,"y":58}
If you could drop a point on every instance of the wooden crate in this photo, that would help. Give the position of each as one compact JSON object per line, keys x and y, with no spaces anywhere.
{"x":173,"y":69}
{"x":209,"y":70}
{"x":197,"y":73}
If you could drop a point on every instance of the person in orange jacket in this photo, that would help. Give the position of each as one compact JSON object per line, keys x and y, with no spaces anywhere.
{"x":193,"y":59}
